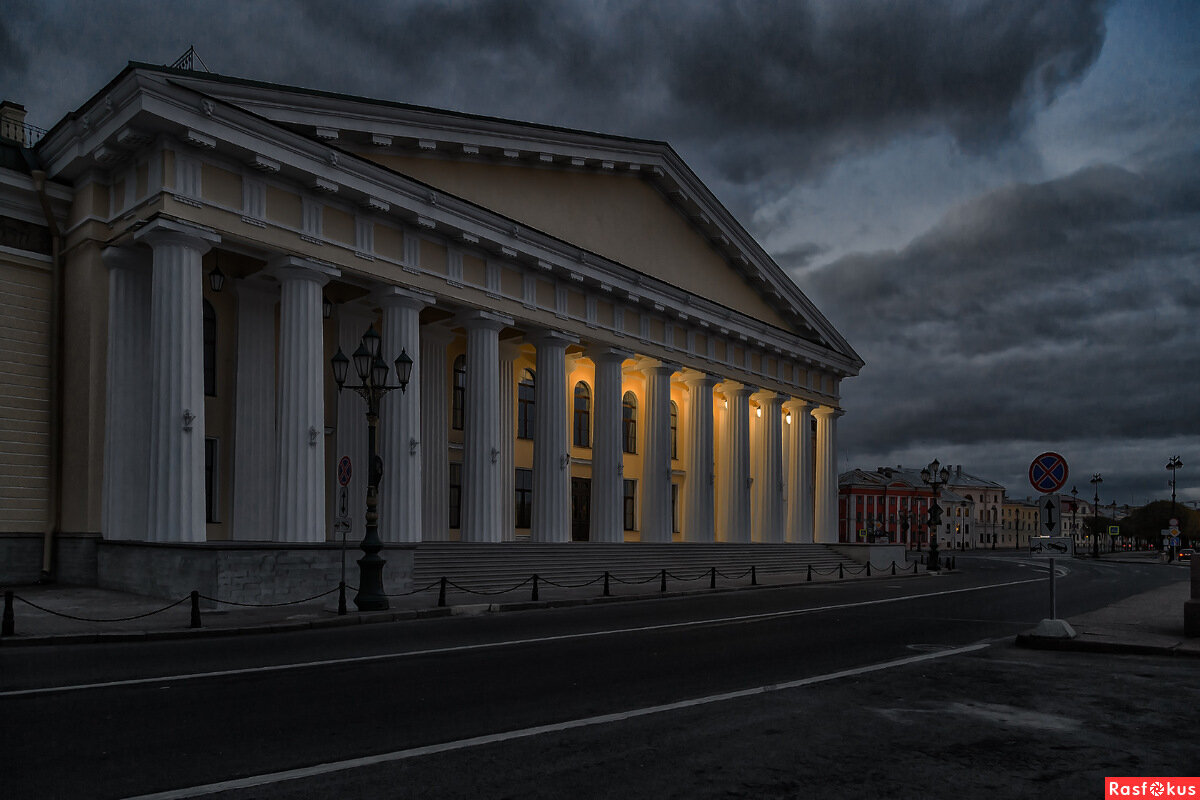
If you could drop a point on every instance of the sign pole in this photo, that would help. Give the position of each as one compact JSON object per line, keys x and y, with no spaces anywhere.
{"x":1053,"y":599}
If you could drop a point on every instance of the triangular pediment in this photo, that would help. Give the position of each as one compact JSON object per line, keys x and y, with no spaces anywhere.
{"x":630,"y":201}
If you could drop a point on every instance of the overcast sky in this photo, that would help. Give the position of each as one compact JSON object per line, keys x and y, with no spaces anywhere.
{"x":998,"y":203}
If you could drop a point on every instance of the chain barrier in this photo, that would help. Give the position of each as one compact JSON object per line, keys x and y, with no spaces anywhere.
{"x":8,"y":613}
{"x":268,"y":605}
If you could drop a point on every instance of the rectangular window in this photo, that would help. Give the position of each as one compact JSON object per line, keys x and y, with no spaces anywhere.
{"x":211,"y":451}
{"x":631,"y":505}
{"x":524,"y":485}
{"x":455,"y":494}
{"x":675,"y":508}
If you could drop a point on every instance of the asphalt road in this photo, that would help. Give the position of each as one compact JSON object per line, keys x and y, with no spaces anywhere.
{"x":132,"y":719}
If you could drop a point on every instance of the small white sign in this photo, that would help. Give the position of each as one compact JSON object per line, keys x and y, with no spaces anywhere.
{"x":343,"y":505}
{"x":1050,"y":515}
{"x":1051,"y":546}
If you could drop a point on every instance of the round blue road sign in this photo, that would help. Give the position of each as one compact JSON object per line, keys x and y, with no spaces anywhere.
{"x":1048,"y":473}
{"x":344,"y":471}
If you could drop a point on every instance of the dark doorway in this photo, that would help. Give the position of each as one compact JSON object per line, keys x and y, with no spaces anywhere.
{"x":581,"y":508}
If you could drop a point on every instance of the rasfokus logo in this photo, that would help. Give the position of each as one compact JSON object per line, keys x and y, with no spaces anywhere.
{"x":1151,"y":787}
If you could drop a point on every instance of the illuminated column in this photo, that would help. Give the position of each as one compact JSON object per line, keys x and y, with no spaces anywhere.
{"x":607,"y":523}
{"x":826,"y":490}
{"x":551,"y":455}
{"x":254,"y":412}
{"x":698,"y":497}
{"x":768,"y":486}
{"x":128,"y":404}
{"x":481,"y":428}
{"x":656,"y":465}
{"x":510,"y":351}
{"x":735,"y":474}
{"x":175,"y":512}
{"x":300,"y":415}
{"x":435,"y":462}
{"x":799,"y":478}
{"x":400,"y":418}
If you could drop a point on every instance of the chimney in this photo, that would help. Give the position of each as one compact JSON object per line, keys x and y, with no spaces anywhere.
{"x":12,"y":122}
{"x":958,"y":471}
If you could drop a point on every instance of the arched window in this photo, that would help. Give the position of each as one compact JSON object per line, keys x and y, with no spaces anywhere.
{"x":674,"y":430}
{"x":583,"y":415}
{"x":460,"y":392}
{"x":525,"y":405}
{"x":210,"y":350}
{"x":629,"y":422}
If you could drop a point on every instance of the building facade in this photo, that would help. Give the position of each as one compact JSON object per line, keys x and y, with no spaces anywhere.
{"x":599,"y":351}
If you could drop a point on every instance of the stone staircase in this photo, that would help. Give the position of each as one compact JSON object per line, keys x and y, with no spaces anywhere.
{"x":493,"y":566}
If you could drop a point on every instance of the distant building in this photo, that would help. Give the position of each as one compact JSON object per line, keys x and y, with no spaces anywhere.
{"x":1020,"y":519}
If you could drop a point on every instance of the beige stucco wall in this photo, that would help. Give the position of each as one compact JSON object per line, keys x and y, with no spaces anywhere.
{"x":620,"y":217}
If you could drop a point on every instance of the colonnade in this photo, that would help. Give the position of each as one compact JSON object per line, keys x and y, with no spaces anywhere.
{"x":739,"y":488}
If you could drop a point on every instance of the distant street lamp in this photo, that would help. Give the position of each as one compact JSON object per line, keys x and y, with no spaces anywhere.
{"x":1096,"y":481}
{"x":962,"y":524}
{"x":1174,"y":464}
{"x":373,"y":373}
{"x":1074,"y":508}
{"x":935,"y":477}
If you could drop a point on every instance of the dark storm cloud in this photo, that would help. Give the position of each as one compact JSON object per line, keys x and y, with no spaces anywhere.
{"x":1056,"y":312}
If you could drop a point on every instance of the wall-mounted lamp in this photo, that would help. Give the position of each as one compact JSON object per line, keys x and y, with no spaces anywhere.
{"x":216,"y":278}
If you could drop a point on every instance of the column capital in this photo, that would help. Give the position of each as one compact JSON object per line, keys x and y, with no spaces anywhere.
{"x":599,"y":353}
{"x":799,"y":404}
{"x":254,"y":288}
{"x":692,"y":378}
{"x":478,"y":318}
{"x":651,"y":365}
{"x":767,"y":396}
{"x":828,"y":411}
{"x":437,"y":334}
{"x":161,"y":230}
{"x":289,"y":267}
{"x":394,"y":296}
{"x":733,"y":388}
{"x":539,"y":336}
{"x":124,"y":258}
{"x":510,"y":350}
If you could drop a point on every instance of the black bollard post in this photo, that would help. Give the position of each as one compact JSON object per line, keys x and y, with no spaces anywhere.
{"x":8,"y":628}
{"x":893,"y":567}
{"x":868,"y":569}
{"x":662,"y":585}
{"x":915,"y":568}
{"x":712,"y":578}
{"x":341,"y":598}
{"x":607,"y":593}
{"x":442,"y":593}
{"x":195,"y":609}
{"x":535,"y":592}
{"x":841,"y":572}
{"x":753,"y":575}
{"x":810,"y":573}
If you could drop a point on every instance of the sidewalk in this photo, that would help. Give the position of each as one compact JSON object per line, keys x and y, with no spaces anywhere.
{"x":129,"y":617}
{"x":1148,"y":623}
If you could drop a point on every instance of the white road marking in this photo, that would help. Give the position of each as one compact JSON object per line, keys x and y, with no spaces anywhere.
{"x":538,"y":730}
{"x":738,"y":620}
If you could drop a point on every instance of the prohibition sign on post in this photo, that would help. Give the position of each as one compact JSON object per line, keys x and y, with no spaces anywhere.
{"x":344,"y":471}
{"x":1048,"y":473}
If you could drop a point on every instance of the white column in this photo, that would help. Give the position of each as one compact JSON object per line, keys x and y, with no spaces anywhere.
{"x":253,"y":461}
{"x":481,"y":428}
{"x":551,"y":520}
{"x":509,"y":352}
{"x":175,"y":512}
{"x":400,"y":497}
{"x":735,"y":473}
{"x":607,"y":523}
{"x":435,"y":464}
{"x":826,"y":492}
{"x":656,"y":464}
{"x":128,"y":403}
{"x":698,"y":520}
{"x":300,"y":409}
{"x":768,"y":512}
{"x":799,"y":477}
{"x":353,"y":322}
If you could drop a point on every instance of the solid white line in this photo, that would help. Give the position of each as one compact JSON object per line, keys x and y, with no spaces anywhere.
{"x":538,"y":730}
{"x":738,"y":620}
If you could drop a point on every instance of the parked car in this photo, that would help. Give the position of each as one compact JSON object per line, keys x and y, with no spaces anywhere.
{"x":1186,"y":554}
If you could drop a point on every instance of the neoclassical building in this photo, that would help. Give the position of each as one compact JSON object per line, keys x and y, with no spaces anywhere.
{"x":600,"y":352}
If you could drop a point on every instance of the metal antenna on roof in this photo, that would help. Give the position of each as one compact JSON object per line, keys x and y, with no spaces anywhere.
{"x":189,"y":60}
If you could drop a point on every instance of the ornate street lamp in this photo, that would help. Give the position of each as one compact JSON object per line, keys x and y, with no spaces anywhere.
{"x":935,"y":477}
{"x":1096,"y":481}
{"x":373,"y":373}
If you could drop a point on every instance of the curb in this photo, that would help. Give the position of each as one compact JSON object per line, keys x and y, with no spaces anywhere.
{"x":1081,"y":645}
{"x":375,"y":617}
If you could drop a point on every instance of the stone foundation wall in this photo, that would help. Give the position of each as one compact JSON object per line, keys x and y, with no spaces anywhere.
{"x":238,"y":571}
{"x":20,"y":558}
{"x":881,"y":555}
